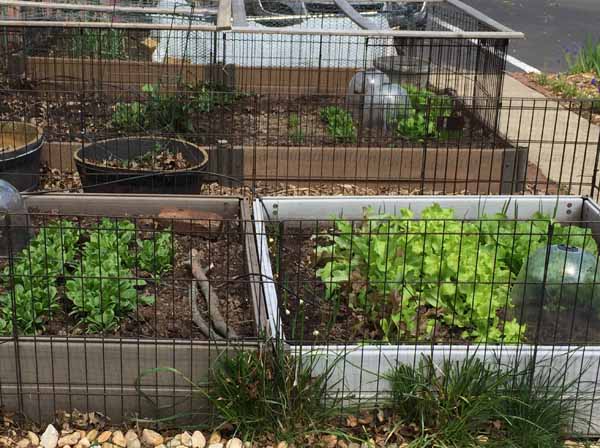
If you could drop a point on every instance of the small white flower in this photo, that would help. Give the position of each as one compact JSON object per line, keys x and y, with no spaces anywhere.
{"x":271,"y":240}
{"x":287,"y":312}
{"x":301,"y":302}
{"x":316,"y":333}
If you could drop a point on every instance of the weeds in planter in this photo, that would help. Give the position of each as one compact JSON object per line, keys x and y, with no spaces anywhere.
{"x":157,"y":112}
{"x":340,"y":124}
{"x":295,"y":129}
{"x":437,"y":276}
{"x":420,"y":121}
{"x":98,"y":43}
{"x":128,"y":116}
{"x":171,"y":112}
{"x":166,"y":111}
{"x":160,"y":157}
{"x":461,"y":403}
{"x":207,"y":97}
{"x":587,"y":59}
{"x":99,"y":280}
{"x":273,"y":392}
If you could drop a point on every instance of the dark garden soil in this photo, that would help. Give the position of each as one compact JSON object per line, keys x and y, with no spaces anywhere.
{"x":266,"y":121}
{"x":251,"y":119}
{"x":171,"y":315}
{"x":308,"y":317}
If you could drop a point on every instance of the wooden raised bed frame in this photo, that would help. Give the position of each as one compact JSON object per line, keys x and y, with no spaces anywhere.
{"x":116,"y":76}
{"x":453,"y":170}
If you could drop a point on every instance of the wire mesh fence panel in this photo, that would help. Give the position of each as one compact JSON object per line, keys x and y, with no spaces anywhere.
{"x":294,"y":75}
{"x":382,"y":282}
{"x":113,"y":303}
{"x":123,"y":315}
{"x":207,"y":142}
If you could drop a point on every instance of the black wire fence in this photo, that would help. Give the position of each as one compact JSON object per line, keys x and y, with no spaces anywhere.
{"x":257,"y":104}
{"x":99,"y":293}
{"x":370,"y":283}
{"x":295,"y":145}
{"x":112,"y":302}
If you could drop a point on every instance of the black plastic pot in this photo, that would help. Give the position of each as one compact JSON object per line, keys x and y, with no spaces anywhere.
{"x":97,"y":177}
{"x":20,"y":151}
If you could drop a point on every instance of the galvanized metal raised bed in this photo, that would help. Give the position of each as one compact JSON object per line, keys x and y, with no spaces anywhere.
{"x":40,"y":375}
{"x":358,"y":375}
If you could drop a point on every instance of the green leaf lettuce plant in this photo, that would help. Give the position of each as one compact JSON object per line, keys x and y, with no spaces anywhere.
{"x":437,"y":276}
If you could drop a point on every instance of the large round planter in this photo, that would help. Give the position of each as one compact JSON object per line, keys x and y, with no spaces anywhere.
{"x":20,"y":150}
{"x":97,"y":177}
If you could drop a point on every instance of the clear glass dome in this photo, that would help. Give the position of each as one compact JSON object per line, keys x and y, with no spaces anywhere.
{"x":374,"y":101}
{"x":14,"y":220}
{"x":570,"y":281}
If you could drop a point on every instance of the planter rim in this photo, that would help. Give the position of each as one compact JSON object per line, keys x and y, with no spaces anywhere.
{"x":58,"y":194}
{"x":136,"y":171}
{"x":30,"y":145}
{"x":108,"y":341}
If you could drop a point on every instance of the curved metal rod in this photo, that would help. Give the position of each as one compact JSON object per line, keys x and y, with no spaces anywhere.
{"x":238,"y":12}
{"x":353,"y":15}
{"x":298,"y":8}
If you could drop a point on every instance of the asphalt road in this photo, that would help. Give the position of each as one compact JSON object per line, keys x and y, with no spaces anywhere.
{"x":550,"y":27}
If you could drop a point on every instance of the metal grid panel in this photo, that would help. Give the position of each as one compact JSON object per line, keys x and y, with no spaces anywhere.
{"x":292,"y":252}
{"x":59,"y":356}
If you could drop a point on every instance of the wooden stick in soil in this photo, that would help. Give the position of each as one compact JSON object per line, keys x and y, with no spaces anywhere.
{"x":212,"y":300}
{"x":197,"y":318}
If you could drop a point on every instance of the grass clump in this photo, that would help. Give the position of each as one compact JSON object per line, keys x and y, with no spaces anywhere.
{"x":269,"y":396}
{"x":272,"y":393}
{"x":462,"y":403}
{"x":586,"y":59}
